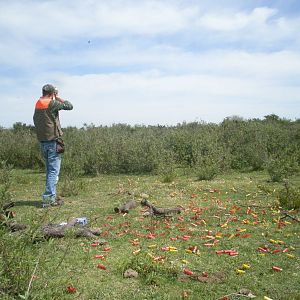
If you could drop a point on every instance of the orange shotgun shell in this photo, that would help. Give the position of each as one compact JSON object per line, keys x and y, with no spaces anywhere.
{"x":277,"y":269}
{"x":101,"y":267}
{"x":187,"y":272}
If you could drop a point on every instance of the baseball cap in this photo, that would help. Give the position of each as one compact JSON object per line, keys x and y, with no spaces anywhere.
{"x":48,"y":89}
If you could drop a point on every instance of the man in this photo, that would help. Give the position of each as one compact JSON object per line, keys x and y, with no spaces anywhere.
{"x":48,"y":129}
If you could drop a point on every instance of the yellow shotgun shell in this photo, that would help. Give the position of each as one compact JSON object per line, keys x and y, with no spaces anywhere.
{"x":172,"y":248}
{"x":231,"y":236}
{"x":246,"y":266}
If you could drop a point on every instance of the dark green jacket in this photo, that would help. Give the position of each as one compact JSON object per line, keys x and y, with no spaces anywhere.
{"x":46,"y":118}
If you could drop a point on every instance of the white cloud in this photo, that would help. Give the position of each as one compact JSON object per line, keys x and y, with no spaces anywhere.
{"x":151,"y":98}
{"x":58,"y":20}
{"x":236,"y":21}
{"x":62,"y":19}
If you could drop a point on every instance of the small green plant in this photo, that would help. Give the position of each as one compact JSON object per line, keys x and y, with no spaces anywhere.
{"x":5,"y":183}
{"x":206,"y":172}
{"x":166,"y":168}
{"x":206,"y":168}
{"x":150,"y":271}
{"x":289,"y":196}
{"x":167,"y":174}
{"x":71,"y":187}
{"x":17,"y":256}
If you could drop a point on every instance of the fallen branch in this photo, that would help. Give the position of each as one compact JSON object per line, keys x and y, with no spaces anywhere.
{"x":58,"y":231}
{"x":7,"y":206}
{"x":255,"y":205}
{"x":242,"y":293}
{"x":286,"y":214}
{"x":5,"y":212}
{"x":50,"y":230}
{"x":158,"y":211}
{"x":124,"y":208}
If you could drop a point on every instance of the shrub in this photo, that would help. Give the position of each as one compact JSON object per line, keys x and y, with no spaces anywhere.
{"x":289,"y":196}
{"x":206,"y":171}
{"x":166,"y":167}
{"x":282,"y":167}
{"x":18,"y":255}
{"x":71,"y":187}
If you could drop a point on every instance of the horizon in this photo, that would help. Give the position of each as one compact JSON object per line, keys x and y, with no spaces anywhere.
{"x":183,"y":123}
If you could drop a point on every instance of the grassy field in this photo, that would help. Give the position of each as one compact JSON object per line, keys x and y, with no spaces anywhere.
{"x":175,"y":258}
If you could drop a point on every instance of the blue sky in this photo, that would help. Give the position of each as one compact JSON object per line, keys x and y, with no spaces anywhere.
{"x":151,"y":62}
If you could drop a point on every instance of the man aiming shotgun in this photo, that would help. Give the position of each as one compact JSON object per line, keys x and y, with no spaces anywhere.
{"x":48,"y":129}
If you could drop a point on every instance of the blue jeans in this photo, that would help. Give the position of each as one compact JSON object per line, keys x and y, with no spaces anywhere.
{"x":53,"y":160}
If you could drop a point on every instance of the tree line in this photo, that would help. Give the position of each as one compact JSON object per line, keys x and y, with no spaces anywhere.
{"x":206,"y":149}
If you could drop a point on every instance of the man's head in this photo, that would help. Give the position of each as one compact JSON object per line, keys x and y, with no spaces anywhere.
{"x":48,"y":89}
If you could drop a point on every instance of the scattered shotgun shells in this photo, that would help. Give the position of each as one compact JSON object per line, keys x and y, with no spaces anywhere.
{"x":245,"y":266}
{"x":228,"y":252}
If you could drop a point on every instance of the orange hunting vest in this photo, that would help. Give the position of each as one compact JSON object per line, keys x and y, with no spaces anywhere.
{"x":47,"y":125}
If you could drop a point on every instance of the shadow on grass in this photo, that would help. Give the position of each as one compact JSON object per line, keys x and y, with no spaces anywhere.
{"x":28,"y":203}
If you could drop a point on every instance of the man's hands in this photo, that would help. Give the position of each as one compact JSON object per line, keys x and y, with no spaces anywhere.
{"x":59,"y":99}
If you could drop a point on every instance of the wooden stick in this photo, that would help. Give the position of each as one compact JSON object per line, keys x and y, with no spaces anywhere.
{"x":157,"y":211}
{"x":124,"y":208}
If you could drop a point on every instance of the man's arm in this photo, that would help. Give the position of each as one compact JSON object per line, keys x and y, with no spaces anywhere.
{"x":58,"y":104}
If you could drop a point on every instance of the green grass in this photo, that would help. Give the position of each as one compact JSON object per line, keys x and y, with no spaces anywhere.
{"x":70,"y":262}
